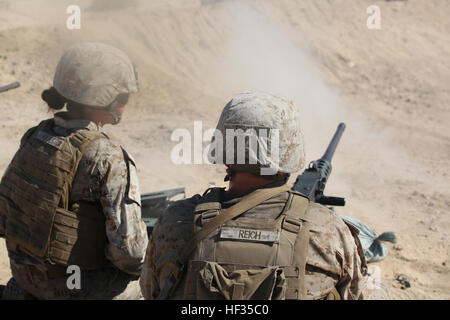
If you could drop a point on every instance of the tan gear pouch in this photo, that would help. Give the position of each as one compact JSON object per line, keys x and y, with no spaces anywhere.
{"x":78,"y":237}
{"x":208,"y":280}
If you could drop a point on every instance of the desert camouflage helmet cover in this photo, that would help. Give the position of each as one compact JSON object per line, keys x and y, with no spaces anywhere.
{"x":280,"y":117}
{"x":94,"y":74}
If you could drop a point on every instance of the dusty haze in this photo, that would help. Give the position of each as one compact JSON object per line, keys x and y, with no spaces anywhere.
{"x":389,"y":86}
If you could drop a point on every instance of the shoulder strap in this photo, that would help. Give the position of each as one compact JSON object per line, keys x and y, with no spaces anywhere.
{"x":297,"y":220}
{"x":298,"y":209}
{"x":81,"y":140}
{"x":248,"y":202}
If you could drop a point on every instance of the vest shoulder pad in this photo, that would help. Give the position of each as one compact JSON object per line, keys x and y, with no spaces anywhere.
{"x":31,"y":131}
{"x":210,"y":200}
{"x":181,"y":210}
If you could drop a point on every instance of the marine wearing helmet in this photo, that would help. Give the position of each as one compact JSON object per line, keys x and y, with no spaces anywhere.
{"x":70,"y":196}
{"x":257,"y":239}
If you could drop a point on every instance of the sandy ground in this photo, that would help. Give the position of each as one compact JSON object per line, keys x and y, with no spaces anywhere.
{"x":390,"y":86}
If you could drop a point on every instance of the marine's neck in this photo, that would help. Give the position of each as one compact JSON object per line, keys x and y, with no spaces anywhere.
{"x":243,"y":183}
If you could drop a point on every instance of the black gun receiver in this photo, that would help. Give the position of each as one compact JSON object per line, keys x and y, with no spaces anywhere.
{"x":312,"y":181}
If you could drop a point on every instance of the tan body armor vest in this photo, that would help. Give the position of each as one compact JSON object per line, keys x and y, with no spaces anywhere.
{"x":249,"y":257}
{"x":34,"y":197}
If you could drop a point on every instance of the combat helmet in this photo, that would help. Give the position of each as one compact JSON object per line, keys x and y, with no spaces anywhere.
{"x":271,"y":122}
{"x":95,"y":75}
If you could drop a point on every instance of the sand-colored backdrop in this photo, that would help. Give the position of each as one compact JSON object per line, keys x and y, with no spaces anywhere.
{"x":390,"y":86}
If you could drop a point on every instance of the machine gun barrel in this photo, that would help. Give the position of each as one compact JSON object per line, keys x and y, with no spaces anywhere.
{"x":9,"y":87}
{"x":328,"y":155}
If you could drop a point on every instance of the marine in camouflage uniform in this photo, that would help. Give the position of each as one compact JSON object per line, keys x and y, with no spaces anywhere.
{"x":98,"y":227}
{"x":228,"y":266}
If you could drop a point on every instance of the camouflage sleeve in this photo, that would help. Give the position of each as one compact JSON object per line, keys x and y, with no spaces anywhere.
{"x":110,"y":174}
{"x":335,"y":258}
{"x":126,"y":232}
{"x":352,"y":282}
{"x":172,"y":231}
{"x":148,"y":280}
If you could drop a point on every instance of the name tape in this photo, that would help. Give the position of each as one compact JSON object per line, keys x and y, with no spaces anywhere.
{"x":51,"y":140}
{"x":249,"y":234}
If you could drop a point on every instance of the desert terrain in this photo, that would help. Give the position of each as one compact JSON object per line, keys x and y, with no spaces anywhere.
{"x":391,"y":86}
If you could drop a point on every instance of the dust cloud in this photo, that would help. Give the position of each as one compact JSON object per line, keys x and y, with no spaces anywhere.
{"x":262,"y":56}
{"x":193,"y":56}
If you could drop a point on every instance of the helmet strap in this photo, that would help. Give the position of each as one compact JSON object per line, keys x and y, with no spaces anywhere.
{"x":113,"y":112}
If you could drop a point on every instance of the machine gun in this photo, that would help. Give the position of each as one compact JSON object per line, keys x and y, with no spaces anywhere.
{"x":153,"y":205}
{"x":312,"y":181}
{"x":9,"y":87}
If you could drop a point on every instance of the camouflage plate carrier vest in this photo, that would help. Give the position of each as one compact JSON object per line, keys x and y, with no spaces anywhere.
{"x":250,"y":258}
{"x":39,"y":219}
